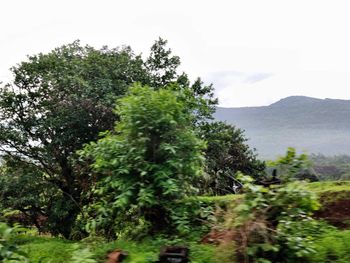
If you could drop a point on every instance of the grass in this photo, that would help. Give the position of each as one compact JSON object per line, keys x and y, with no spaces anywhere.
{"x":55,"y":250}
{"x":337,"y":189}
{"x":330,"y":192}
{"x":148,"y":251}
{"x":322,"y":187}
{"x":47,"y":249}
{"x":333,"y":247}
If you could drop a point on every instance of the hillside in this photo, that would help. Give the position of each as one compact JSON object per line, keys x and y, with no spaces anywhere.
{"x":308,"y":124}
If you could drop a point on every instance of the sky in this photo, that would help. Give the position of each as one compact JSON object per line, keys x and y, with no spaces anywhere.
{"x":254,"y":52}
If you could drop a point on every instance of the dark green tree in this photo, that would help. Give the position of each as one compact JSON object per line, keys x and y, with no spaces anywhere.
{"x":148,"y":163}
{"x":162,"y":65}
{"x":23,"y":188}
{"x":227,"y":153}
{"x":62,"y":100}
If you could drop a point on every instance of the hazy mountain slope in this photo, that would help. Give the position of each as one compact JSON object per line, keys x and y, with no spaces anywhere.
{"x":309,"y":124}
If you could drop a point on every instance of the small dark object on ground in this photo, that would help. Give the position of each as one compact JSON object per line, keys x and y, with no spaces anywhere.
{"x":116,"y":256}
{"x":271,"y":181}
{"x":174,"y":254}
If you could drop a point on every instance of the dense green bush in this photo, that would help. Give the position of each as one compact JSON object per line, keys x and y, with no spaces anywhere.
{"x":61,"y":100}
{"x":274,"y":224}
{"x":226,"y":154}
{"x":149,"y":162}
{"x":9,"y":251}
{"x":332,"y":246}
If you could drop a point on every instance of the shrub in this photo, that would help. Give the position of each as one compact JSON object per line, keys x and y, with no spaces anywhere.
{"x":226,"y":154}
{"x":146,"y":165}
{"x":9,"y":251}
{"x":275,"y":224}
{"x":332,"y":246}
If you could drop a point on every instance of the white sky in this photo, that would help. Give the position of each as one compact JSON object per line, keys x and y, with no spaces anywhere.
{"x":255,"y":52}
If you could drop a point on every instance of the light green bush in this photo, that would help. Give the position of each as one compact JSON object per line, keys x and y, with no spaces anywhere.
{"x":333,"y":246}
{"x":9,"y":251}
{"x":274,"y":224}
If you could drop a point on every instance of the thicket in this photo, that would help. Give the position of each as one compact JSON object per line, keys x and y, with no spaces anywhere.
{"x":62,"y":100}
{"x":148,"y":164}
{"x":9,"y":250}
{"x":274,"y":224}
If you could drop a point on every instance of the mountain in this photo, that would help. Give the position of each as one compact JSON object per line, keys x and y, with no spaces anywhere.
{"x":308,"y":124}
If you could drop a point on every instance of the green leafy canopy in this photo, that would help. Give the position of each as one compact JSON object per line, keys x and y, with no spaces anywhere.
{"x":149,"y":161}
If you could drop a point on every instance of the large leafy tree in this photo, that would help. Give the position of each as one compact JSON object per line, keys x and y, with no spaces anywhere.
{"x":59,"y":101}
{"x":227,"y":153}
{"x":22,"y":188}
{"x":62,"y":100}
{"x":149,"y":161}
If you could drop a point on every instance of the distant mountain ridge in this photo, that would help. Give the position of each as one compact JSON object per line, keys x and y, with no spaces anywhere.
{"x":308,"y":124}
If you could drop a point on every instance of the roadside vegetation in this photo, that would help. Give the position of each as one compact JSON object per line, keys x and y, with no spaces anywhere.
{"x":105,"y":150}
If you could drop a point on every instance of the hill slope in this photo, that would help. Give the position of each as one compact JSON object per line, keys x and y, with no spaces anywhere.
{"x":308,"y":124}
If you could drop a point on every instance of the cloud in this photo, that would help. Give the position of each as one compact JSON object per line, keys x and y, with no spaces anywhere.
{"x":257,"y":77}
{"x":222,"y":78}
{"x":265,"y":88}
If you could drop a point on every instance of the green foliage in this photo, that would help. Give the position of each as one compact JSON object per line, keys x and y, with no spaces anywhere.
{"x":54,"y":250}
{"x":224,"y":252}
{"x":149,"y":162}
{"x":192,"y":217}
{"x":294,"y":167}
{"x":60,"y":101}
{"x":227,"y":153}
{"x":82,"y":255}
{"x":275,"y":224}
{"x":56,"y":103}
{"x":148,"y":250}
{"x":47,"y":249}
{"x":328,"y":187}
{"x":24,"y":190}
{"x":332,"y":246}
{"x":9,"y":251}
{"x":161,"y":65}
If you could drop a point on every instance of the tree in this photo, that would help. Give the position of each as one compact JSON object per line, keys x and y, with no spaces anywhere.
{"x":226,"y":154}
{"x":162,"y":65}
{"x":60,"y":101}
{"x":294,"y":167}
{"x":149,"y":161}
{"x":23,"y":188}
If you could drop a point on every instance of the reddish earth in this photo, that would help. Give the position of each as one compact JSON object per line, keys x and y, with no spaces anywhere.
{"x":336,"y":213}
{"x":116,"y":256}
{"x":218,"y":236}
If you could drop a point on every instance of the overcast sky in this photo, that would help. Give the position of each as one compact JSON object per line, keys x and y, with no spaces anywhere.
{"x":254,"y":52}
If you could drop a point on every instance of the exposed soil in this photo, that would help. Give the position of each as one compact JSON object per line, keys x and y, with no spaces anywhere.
{"x":116,"y":256}
{"x":336,"y":213}
{"x":218,"y":236}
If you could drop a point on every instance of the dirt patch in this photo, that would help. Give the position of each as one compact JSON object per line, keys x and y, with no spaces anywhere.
{"x":336,"y":213}
{"x":116,"y":256}
{"x":218,"y":236}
